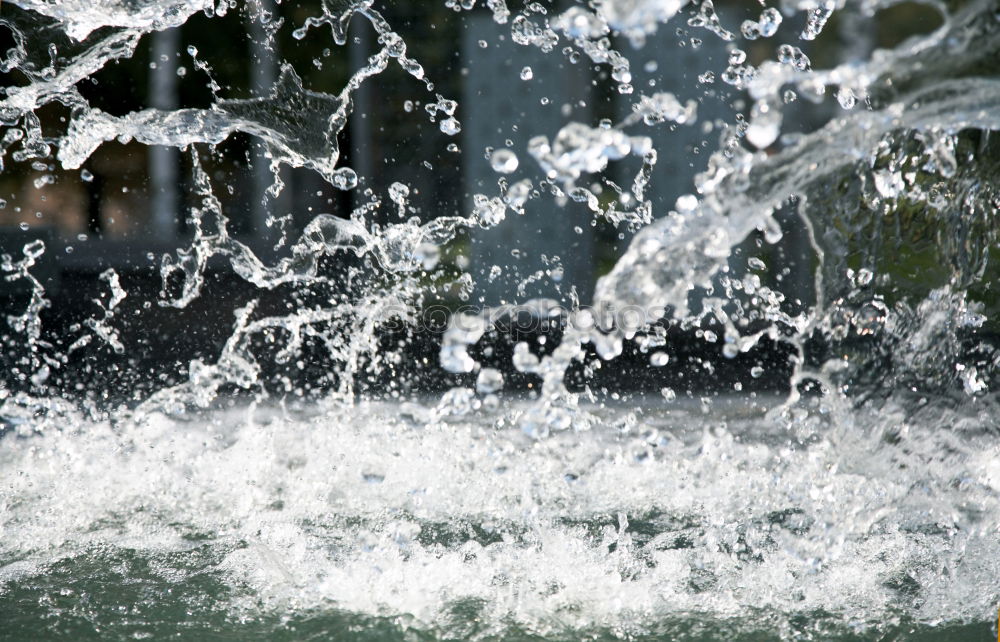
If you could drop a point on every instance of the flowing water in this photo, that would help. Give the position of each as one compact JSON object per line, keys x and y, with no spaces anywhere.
{"x":859,"y":501}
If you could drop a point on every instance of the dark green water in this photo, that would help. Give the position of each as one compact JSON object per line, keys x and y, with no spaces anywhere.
{"x":121,"y":595}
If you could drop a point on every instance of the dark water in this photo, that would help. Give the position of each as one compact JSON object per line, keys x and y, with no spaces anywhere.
{"x":118,"y":594}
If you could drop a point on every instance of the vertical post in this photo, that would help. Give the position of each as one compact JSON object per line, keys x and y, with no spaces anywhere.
{"x":263,"y":75}
{"x":497,"y":105}
{"x":675,"y":68}
{"x":359,"y":48}
{"x":163,"y":161}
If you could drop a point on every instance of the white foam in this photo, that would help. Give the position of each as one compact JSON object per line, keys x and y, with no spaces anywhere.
{"x":360,"y":510}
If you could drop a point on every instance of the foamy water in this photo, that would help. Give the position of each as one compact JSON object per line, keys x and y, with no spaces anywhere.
{"x":650,"y":515}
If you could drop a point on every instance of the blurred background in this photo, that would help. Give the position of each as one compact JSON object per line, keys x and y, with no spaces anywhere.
{"x":129,"y":204}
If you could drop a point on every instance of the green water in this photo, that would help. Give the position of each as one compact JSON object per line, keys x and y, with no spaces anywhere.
{"x":123,"y":595}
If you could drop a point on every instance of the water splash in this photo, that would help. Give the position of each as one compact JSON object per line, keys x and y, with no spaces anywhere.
{"x":861,"y":503}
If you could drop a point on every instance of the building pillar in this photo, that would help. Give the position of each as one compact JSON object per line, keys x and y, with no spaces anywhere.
{"x":497,"y":105}
{"x":263,"y":76}
{"x":164,"y":169}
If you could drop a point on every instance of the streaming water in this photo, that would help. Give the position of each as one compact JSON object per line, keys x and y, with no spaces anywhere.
{"x":859,"y":500}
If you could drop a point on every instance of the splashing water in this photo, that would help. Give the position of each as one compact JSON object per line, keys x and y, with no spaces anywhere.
{"x":727,"y":440}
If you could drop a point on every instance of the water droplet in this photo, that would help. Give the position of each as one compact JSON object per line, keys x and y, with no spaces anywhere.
{"x":399,"y":192}
{"x":791,"y":55}
{"x":750,"y":30}
{"x":503,"y":161}
{"x":770,"y":20}
{"x":686,"y":204}
{"x":428,"y":255}
{"x":345,"y":178}
{"x":488,"y":211}
{"x":846,"y":98}
{"x":765,"y":125}
{"x":489,"y":381}
{"x":450,"y":126}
